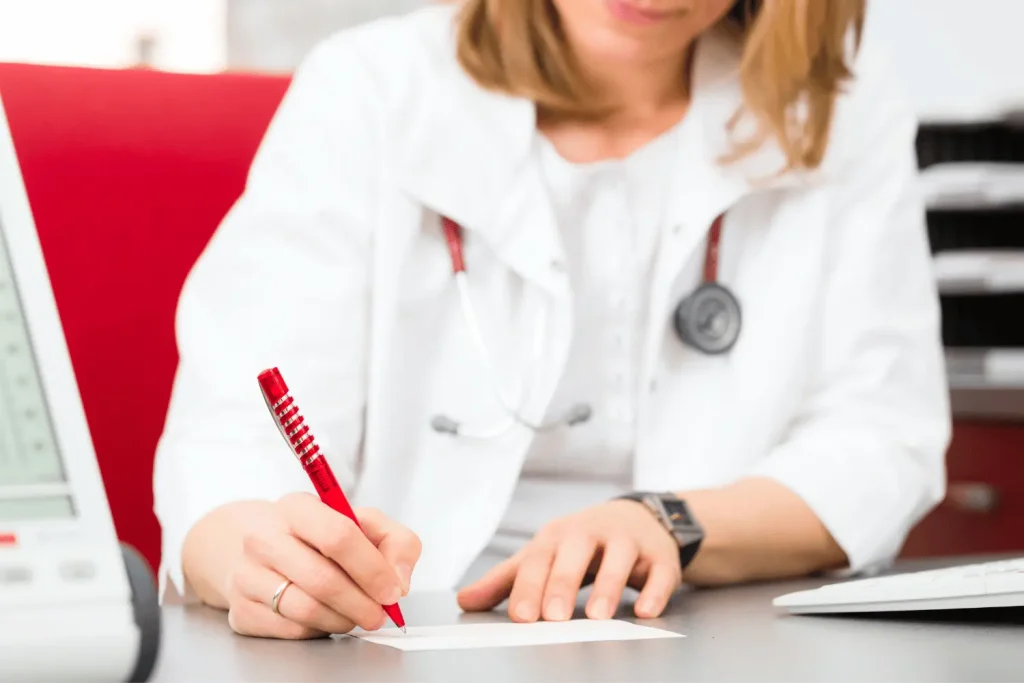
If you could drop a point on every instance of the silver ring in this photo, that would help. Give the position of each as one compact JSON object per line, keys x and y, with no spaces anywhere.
{"x":275,"y":604}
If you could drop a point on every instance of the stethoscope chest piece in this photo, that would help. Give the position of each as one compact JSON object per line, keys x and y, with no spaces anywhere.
{"x":709,"y":319}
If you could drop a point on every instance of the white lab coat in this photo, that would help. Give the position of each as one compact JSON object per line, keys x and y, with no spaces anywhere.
{"x":333,"y":267}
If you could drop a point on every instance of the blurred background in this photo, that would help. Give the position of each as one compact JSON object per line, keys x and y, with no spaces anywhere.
{"x":942,"y":47}
{"x":177,"y":35}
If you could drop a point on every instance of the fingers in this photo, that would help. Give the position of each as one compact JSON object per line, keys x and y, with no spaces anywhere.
{"x":259,"y":584}
{"x":531,"y":579}
{"x":250,"y":618}
{"x":317,"y":576}
{"x":340,"y":539}
{"x":619,"y":559}
{"x":662,"y":582}
{"x":570,"y":566}
{"x":399,"y":545}
{"x":545,"y":581}
{"x":489,"y":591}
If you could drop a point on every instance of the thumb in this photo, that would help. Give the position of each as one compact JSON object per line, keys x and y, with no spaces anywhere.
{"x":397,"y":543}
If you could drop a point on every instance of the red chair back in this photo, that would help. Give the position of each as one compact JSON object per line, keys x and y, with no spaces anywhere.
{"x":128,"y":173}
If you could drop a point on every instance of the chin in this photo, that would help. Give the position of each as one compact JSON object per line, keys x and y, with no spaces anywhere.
{"x":616,"y":46}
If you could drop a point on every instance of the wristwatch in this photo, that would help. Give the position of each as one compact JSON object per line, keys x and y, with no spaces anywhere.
{"x":675,"y":516}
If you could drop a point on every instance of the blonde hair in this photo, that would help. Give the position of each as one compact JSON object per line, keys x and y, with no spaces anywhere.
{"x":794,"y":64}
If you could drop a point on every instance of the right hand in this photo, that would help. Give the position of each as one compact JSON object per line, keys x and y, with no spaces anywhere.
{"x":340,"y":577}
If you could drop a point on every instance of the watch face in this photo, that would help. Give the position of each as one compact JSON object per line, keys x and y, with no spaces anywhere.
{"x":677,"y":513}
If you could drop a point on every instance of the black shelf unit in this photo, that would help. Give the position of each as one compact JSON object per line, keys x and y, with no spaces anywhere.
{"x":977,"y":322}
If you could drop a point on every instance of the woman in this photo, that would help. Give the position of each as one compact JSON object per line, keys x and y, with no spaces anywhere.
{"x":584,"y":151}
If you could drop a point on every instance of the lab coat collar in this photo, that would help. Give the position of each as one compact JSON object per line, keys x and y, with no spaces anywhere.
{"x":468,"y":153}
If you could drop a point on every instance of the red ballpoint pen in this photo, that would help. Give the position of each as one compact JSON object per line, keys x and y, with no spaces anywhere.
{"x":300,"y":440}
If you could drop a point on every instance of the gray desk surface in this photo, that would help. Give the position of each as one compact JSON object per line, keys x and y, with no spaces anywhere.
{"x":733,"y":634}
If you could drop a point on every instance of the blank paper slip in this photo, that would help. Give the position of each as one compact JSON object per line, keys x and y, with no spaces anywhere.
{"x":470,"y":636}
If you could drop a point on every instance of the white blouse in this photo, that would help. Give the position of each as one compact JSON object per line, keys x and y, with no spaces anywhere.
{"x":610,"y":214}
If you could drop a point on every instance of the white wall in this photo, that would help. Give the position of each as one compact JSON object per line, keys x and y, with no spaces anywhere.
{"x":958,"y":59}
{"x":192,"y":34}
{"x":277,"y":34}
{"x":189,"y":33}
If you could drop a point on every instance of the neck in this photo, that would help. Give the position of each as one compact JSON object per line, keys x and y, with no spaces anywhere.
{"x":636,"y":90}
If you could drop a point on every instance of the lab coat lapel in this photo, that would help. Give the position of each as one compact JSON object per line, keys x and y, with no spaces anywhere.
{"x":468,"y":154}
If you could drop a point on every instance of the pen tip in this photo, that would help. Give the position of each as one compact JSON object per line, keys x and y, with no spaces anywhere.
{"x":403,"y":629}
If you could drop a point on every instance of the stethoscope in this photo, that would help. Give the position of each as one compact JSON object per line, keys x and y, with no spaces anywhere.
{"x":708,"y":320}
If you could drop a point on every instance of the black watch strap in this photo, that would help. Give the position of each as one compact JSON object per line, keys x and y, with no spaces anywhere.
{"x":675,"y":516}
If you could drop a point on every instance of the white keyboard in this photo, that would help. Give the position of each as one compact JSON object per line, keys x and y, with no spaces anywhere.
{"x":989,"y":584}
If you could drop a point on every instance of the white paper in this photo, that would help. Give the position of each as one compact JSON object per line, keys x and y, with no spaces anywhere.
{"x":470,"y":636}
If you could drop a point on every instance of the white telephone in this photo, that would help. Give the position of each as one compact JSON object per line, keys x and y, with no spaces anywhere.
{"x":74,"y":605}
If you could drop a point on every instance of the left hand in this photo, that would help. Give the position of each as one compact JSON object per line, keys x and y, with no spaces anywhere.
{"x":615,"y":544}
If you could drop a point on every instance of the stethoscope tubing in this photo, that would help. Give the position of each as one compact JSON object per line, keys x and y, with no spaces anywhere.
{"x":514,"y":416}
{"x":714,"y":334}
